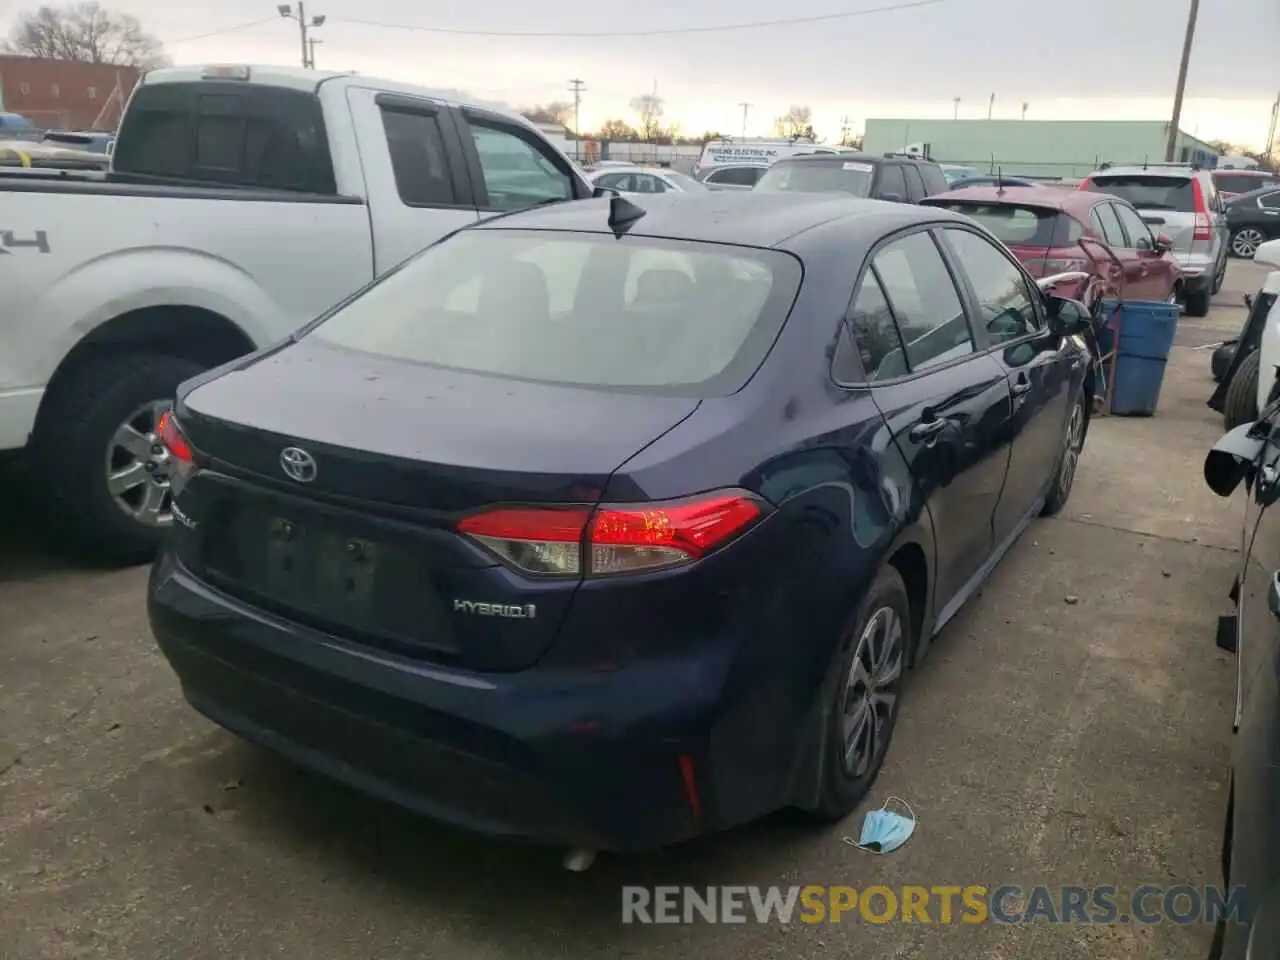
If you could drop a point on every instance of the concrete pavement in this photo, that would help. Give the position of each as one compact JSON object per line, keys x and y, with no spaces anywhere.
{"x":1044,"y":741}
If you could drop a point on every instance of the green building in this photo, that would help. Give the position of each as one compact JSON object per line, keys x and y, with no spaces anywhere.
{"x":1035,"y":148}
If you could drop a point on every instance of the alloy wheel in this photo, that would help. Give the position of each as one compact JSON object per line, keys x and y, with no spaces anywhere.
{"x":137,"y":467}
{"x":871,"y":691}
{"x":1245,"y":242}
{"x":1071,"y":449}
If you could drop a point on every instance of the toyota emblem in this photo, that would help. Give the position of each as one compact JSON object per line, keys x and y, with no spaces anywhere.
{"x":298,"y":464}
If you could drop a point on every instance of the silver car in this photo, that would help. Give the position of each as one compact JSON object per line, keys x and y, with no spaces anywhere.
{"x":733,"y":176}
{"x":1182,"y":203}
{"x":645,"y":180}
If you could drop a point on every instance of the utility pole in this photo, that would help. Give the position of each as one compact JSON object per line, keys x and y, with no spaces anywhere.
{"x":955,"y":108}
{"x":312,"y":43}
{"x":576,"y":87}
{"x":1024,"y":109}
{"x":844,"y":130}
{"x":991,"y":105}
{"x":745,"y":107}
{"x":286,"y":10}
{"x":1271,"y":131}
{"x":1171,"y":147}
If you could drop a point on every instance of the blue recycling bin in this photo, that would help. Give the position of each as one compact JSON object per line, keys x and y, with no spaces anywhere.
{"x":1147,"y":328}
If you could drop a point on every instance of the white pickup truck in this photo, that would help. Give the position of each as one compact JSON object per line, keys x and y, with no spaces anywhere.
{"x":242,"y":203}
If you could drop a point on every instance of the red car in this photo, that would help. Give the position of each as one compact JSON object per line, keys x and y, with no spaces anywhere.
{"x":1057,"y":230}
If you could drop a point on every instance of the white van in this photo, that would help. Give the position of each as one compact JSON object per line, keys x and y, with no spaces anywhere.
{"x":728,"y":152}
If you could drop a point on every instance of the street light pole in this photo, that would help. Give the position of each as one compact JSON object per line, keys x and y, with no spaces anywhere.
{"x":955,"y":108}
{"x":286,"y":10}
{"x":745,"y":107}
{"x":1171,"y":147}
{"x":991,"y":105}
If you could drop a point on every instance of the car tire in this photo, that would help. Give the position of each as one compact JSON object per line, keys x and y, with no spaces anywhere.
{"x":1241,"y":403}
{"x":849,"y":764}
{"x":1064,"y":474}
{"x":1220,"y":359}
{"x":74,"y":447}
{"x":1197,"y":303}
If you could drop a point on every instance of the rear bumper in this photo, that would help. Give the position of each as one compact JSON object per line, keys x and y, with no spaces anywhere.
{"x":580,"y":757}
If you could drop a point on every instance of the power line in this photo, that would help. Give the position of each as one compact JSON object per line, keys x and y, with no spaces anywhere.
{"x":671,"y":31}
{"x":220,"y":31}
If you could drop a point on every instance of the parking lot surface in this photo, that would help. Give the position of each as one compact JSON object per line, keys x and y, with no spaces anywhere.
{"x":1070,"y":727}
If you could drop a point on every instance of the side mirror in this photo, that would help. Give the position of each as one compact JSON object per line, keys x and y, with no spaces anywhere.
{"x":892,"y":197}
{"x":1068,"y":317}
{"x":1268,"y":254}
{"x":1163,"y":244}
{"x":599,"y":192}
{"x":1231,"y":459}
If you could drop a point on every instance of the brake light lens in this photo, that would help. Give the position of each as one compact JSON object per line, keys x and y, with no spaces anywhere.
{"x":613,"y":538}
{"x":170,"y":435}
{"x":1086,"y":184}
{"x":1202,"y":212}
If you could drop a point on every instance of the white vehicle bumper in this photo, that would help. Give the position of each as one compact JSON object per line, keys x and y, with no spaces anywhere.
{"x":18,"y":408}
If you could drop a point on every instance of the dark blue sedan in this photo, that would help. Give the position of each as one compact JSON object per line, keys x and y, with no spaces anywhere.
{"x":609,"y":525}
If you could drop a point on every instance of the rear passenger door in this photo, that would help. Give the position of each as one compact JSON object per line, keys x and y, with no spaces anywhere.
{"x":415,"y":173}
{"x":946,"y":404}
{"x":1006,"y":308}
{"x":1152,"y":277}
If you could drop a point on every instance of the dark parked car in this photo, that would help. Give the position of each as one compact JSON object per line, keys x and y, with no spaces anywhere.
{"x":1232,"y":183}
{"x":1053,"y":230}
{"x":897,"y":178}
{"x":610,"y":525}
{"x":1252,"y":220}
{"x":1249,"y":457}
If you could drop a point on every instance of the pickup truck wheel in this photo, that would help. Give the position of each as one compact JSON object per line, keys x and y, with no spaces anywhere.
{"x":1241,"y":403}
{"x":102,"y":472}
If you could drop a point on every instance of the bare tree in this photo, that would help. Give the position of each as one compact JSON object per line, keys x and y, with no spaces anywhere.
{"x":617,"y":130}
{"x":554,"y":112}
{"x":87,"y":33}
{"x":796,"y":122}
{"x":648,"y":110}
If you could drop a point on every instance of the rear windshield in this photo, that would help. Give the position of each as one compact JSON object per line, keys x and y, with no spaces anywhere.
{"x":226,"y":132}
{"x":835,"y":176}
{"x":1150,"y":193}
{"x":579,"y":309}
{"x":1021,"y":226}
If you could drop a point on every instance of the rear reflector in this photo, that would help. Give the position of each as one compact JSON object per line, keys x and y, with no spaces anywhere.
{"x":613,"y":539}
{"x":171,"y":436}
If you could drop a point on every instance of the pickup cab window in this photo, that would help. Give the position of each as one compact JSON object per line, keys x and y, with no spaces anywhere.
{"x":228,"y":133}
{"x":418,"y":159}
{"x":517,"y":172}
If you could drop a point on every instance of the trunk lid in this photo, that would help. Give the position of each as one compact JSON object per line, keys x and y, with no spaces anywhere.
{"x":365,"y":547}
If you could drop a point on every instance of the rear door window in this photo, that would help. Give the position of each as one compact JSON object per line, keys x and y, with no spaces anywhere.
{"x":935,"y":180}
{"x":923,"y":297}
{"x":1148,"y":192}
{"x":418,"y":158}
{"x":1139,"y":233}
{"x":229,"y":133}
{"x":735,"y":176}
{"x":875,"y":331}
{"x":1270,"y":201}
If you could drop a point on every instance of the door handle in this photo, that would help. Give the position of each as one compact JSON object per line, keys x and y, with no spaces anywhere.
{"x":1021,"y":386}
{"x":927,"y":429}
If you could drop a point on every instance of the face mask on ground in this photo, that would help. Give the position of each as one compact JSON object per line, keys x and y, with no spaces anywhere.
{"x":883,"y":830}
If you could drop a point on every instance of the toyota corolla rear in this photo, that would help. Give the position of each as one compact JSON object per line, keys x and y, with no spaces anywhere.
{"x":407,"y":551}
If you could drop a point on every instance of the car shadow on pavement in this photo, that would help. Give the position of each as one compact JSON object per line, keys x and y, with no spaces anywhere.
{"x":508,"y":891}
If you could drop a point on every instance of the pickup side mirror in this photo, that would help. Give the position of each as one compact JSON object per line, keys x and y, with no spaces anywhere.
{"x":1231,"y":459}
{"x":1068,"y":318}
{"x":1163,"y":244}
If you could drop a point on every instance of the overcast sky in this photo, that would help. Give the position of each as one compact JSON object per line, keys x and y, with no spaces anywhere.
{"x":1069,"y":59}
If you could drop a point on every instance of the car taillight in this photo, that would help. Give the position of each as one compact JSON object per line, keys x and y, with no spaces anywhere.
{"x":1086,"y":184}
{"x":1202,"y":212}
{"x":613,"y":538}
{"x":182,"y":460}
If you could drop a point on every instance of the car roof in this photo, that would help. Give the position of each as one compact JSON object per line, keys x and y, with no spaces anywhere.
{"x":742,"y":218}
{"x":1066,"y":199}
